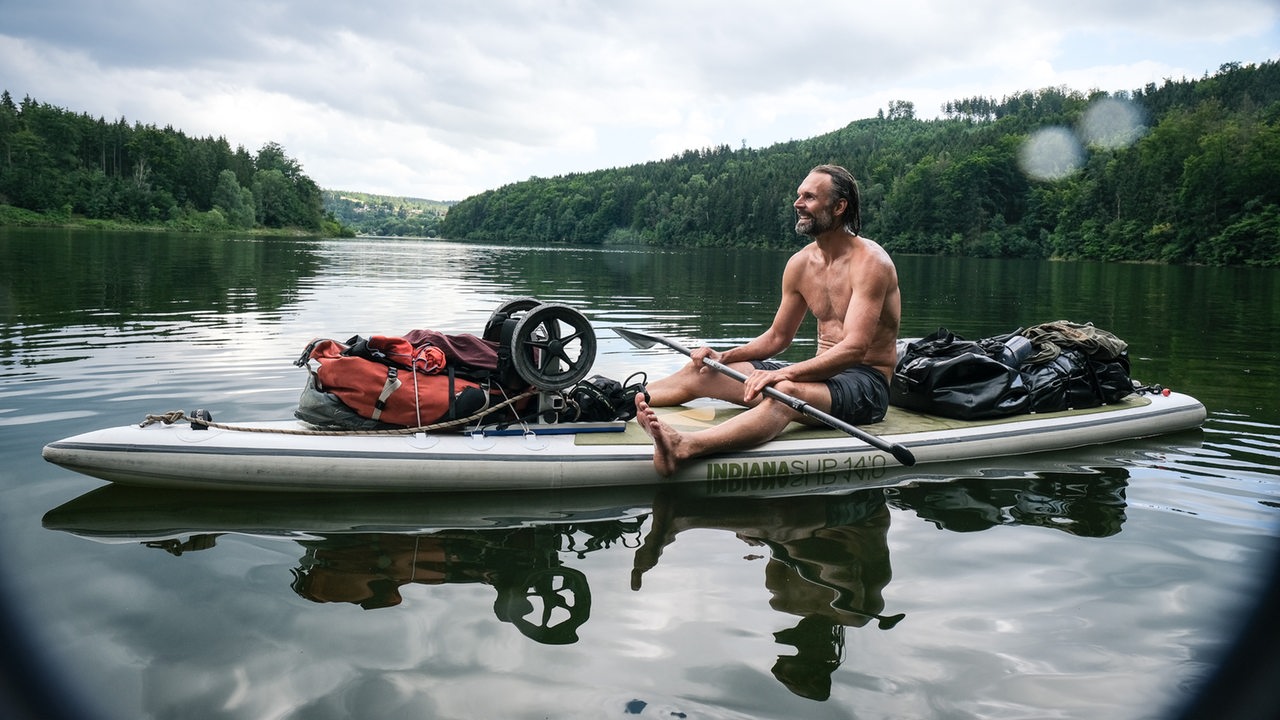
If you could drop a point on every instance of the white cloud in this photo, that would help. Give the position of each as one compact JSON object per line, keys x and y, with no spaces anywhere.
{"x":443,"y":100}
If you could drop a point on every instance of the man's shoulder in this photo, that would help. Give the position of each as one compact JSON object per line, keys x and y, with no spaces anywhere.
{"x":805,"y":250}
{"x":868,"y":244}
{"x":802,"y":258}
{"x":873,"y":251}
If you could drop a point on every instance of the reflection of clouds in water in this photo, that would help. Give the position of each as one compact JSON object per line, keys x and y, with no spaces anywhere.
{"x":392,"y":286}
{"x":456,"y":660}
{"x":383,"y":283}
{"x":376,"y":694}
{"x":203,"y":647}
{"x":451,"y":657}
{"x":1053,"y":153}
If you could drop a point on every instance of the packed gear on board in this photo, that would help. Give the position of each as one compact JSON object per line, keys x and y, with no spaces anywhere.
{"x":534,"y":353}
{"x":1049,"y":367}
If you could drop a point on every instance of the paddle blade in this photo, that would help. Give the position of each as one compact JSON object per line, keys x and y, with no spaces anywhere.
{"x":887,"y":623}
{"x":637,"y":339}
{"x":644,"y":341}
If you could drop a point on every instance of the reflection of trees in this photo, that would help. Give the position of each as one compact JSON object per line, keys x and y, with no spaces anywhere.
{"x":1088,"y":504}
{"x":66,"y":277}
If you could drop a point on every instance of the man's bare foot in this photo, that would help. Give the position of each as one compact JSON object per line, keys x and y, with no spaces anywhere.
{"x":666,"y":439}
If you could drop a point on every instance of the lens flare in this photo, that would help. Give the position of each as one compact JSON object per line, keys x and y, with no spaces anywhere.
{"x":1111,"y":124}
{"x":1051,"y":153}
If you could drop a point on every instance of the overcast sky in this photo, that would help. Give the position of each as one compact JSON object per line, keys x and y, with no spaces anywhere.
{"x":442,"y":100}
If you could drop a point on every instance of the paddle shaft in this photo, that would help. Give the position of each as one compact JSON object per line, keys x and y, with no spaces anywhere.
{"x":902,"y":454}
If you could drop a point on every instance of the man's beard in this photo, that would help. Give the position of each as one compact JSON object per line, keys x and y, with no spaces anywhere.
{"x":816,"y":224}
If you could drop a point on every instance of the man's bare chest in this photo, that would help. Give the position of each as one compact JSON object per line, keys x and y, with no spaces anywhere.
{"x":827,"y":294}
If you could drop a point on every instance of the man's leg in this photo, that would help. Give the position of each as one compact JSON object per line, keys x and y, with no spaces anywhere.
{"x":672,"y":448}
{"x":755,"y":426}
{"x":691,"y":382}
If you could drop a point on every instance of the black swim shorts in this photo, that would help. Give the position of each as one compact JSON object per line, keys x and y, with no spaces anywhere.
{"x":859,"y":395}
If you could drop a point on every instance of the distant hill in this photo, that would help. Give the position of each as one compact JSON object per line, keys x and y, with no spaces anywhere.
{"x":385,"y":215}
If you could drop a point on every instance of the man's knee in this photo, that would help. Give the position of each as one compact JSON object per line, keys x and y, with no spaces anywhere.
{"x":788,"y":387}
{"x":815,"y":394}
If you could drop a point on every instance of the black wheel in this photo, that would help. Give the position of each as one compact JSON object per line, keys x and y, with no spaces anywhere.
{"x":549,"y":606}
{"x":553,"y":347}
{"x":505,"y":311}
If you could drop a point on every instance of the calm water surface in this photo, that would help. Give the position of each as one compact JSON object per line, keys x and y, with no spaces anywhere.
{"x":1103,"y":582}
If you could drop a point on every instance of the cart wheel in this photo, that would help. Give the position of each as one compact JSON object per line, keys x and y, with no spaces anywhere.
{"x":493,"y":328}
{"x":553,"y":347}
{"x":549,"y":606}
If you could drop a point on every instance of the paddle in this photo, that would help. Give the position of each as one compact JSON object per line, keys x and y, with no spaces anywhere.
{"x":902,"y":454}
{"x":885,"y":623}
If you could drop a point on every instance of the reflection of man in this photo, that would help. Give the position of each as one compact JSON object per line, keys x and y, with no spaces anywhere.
{"x":819,"y":645}
{"x":829,"y":564}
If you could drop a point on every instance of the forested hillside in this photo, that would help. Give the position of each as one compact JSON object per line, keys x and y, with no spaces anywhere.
{"x":61,"y":164}
{"x":1196,"y":181}
{"x":385,"y":215}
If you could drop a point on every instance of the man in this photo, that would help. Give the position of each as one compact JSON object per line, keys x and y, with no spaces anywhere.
{"x":850,"y":285}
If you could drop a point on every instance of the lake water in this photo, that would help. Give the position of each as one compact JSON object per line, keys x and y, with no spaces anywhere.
{"x":1105,"y":582}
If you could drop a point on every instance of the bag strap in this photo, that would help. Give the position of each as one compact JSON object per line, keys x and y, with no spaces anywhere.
{"x":393,"y":384}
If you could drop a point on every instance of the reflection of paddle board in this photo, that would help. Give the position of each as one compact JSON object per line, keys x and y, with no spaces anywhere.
{"x":118,"y":513}
{"x":284,"y":456}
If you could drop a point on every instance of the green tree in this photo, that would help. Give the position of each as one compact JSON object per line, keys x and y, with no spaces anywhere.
{"x":276,"y":202}
{"x":234,"y":202}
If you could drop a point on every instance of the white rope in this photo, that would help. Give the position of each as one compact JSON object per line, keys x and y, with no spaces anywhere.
{"x":180,"y":416}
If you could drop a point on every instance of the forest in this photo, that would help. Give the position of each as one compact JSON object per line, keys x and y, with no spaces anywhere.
{"x":1195,"y":181}
{"x":56,"y":164}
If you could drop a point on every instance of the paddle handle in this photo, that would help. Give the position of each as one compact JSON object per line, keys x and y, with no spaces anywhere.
{"x":900,"y":453}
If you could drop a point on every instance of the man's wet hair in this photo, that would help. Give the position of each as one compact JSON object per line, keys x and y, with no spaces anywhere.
{"x":843,"y":185}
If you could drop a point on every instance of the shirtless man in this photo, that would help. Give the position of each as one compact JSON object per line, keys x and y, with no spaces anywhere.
{"x":850,"y":285}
